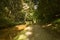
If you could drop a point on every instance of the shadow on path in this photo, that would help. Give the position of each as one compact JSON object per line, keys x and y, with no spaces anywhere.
{"x":42,"y":34}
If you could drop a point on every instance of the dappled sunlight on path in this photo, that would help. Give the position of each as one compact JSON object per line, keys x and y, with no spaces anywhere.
{"x":23,"y":35}
{"x":19,"y":32}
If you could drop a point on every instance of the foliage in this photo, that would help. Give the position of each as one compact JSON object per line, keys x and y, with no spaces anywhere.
{"x":10,"y":12}
{"x":48,"y":9}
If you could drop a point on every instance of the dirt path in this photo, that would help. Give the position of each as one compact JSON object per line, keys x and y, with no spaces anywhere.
{"x":37,"y":34}
{"x":42,"y":34}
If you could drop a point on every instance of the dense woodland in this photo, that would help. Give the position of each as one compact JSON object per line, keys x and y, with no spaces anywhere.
{"x":42,"y":12}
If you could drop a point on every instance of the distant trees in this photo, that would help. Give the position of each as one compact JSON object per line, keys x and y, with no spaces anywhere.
{"x":35,"y":2}
{"x":48,"y":11}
